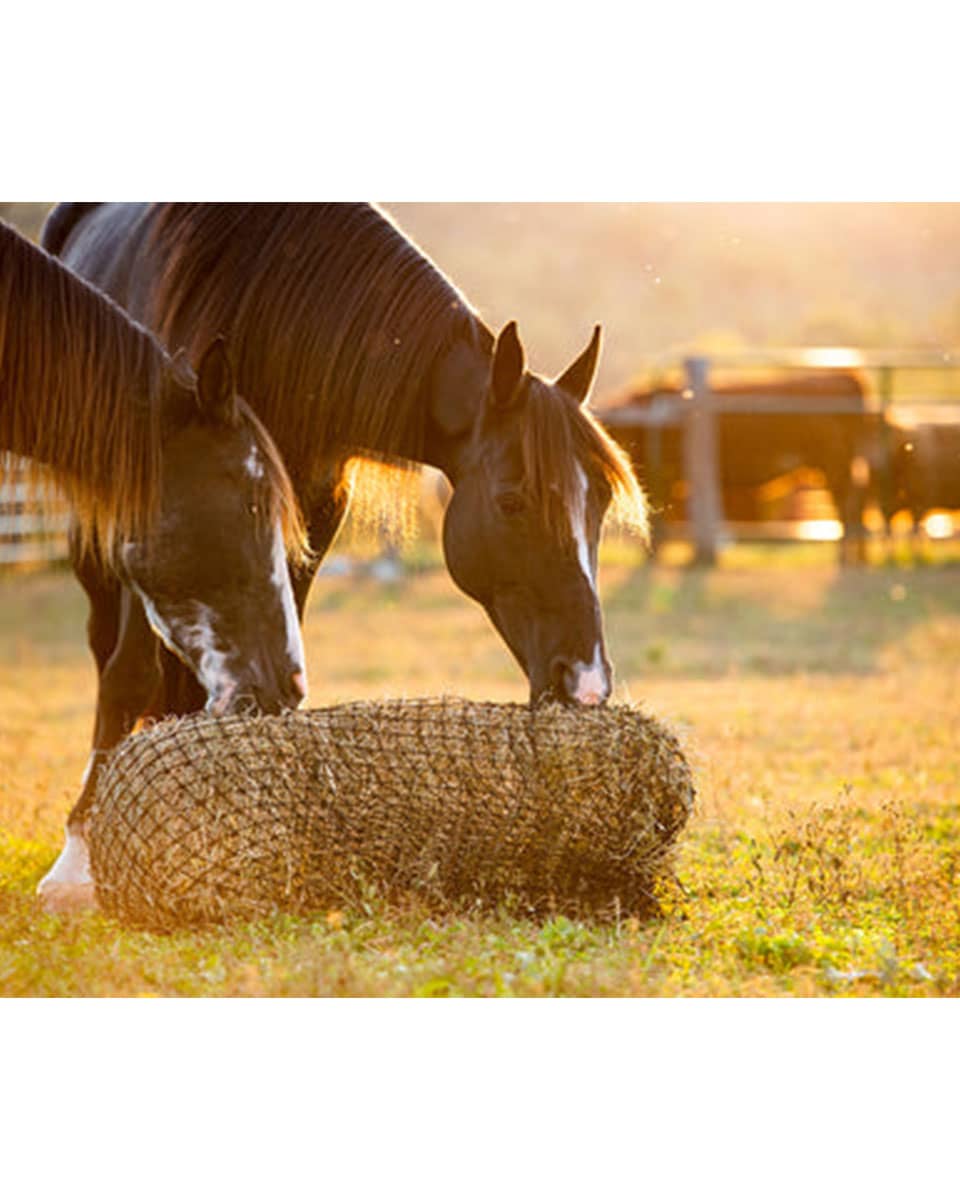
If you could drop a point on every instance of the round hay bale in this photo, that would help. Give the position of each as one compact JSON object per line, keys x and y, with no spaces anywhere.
{"x":464,"y":803}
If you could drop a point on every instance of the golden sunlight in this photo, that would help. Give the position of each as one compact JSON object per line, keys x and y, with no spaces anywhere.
{"x":939,"y":525}
{"x":832,"y":356}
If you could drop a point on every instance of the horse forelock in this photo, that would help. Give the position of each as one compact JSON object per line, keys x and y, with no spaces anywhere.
{"x":561,"y":442}
{"x":334,"y":317}
{"x":81,"y":388}
{"x":274,"y":495}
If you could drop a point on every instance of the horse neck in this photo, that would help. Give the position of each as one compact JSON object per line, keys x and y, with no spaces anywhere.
{"x":455,"y":399}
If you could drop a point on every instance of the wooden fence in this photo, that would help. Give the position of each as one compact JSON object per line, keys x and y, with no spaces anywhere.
{"x":27,"y":533}
{"x":695,"y":409}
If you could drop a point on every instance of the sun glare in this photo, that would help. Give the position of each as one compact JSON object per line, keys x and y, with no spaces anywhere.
{"x":821,"y":530}
{"x":938,"y":525}
{"x":832,"y":356}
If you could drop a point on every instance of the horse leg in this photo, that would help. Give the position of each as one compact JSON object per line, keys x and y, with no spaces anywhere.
{"x":324,"y":516}
{"x":128,"y":678}
{"x":852,"y":551}
{"x":919,"y":541}
{"x":105,"y":600}
{"x":103,"y":629}
{"x":849,"y":497}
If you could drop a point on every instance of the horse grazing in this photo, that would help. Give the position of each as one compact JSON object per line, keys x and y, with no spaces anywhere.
{"x":183,"y":511}
{"x":352,"y":344}
{"x":756,"y":448}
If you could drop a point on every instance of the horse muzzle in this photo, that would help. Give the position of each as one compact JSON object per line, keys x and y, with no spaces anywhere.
{"x":576,"y":682}
{"x":231,"y":697}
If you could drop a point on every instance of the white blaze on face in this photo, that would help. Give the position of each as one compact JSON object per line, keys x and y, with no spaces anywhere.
{"x":280,"y":578}
{"x":578,"y":523}
{"x":591,"y":681}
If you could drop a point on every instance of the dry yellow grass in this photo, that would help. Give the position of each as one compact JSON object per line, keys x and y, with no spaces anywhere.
{"x":818,"y":709}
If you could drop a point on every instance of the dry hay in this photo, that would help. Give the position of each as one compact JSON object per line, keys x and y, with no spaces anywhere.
{"x":548,"y":809}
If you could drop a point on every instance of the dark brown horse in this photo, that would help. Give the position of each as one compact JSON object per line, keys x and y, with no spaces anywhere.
{"x":921,"y":471}
{"x":352,"y":343}
{"x":756,"y":447}
{"x":183,"y":509}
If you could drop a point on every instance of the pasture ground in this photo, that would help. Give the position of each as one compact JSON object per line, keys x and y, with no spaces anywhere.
{"x":819,"y":708}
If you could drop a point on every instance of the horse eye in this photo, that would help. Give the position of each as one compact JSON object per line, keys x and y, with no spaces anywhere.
{"x":253,"y":509}
{"x":511,"y":503}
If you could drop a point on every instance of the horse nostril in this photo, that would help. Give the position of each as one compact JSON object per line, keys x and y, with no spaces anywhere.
{"x":562,"y":679}
{"x":299,"y":681}
{"x":221,"y":703}
{"x":577,"y":683}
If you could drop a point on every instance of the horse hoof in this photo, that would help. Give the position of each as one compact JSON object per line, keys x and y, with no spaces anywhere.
{"x":68,"y":885}
{"x":59,"y":897}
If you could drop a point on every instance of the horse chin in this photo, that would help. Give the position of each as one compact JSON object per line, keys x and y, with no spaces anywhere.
{"x":234,"y":698}
{"x":552,"y":694}
{"x":223,"y":702}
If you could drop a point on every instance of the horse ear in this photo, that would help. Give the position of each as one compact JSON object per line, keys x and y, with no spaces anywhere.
{"x":216,"y":386}
{"x":578,"y":377}
{"x":507,"y":369}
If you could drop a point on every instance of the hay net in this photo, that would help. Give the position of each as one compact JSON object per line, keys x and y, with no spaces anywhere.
{"x":464,"y":803}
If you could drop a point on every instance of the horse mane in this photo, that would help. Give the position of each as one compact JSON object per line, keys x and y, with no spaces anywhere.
{"x":336,"y":347}
{"x":559,"y":434}
{"x":60,"y":223}
{"x":85,"y":396}
{"x":80,"y":392}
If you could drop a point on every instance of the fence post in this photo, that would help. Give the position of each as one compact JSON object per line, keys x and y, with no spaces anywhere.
{"x":704,"y":502}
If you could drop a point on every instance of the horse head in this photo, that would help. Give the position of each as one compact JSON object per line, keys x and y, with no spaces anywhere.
{"x":533,"y":478}
{"x":211,"y":571}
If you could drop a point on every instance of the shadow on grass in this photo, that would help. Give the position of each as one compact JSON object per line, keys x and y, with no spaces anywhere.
{"x":706,"y":623}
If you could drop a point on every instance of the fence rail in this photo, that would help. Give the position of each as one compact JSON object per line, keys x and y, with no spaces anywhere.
{"x":691,"y":405}
{"x":670,"y":410}
{"x":29,"y":532}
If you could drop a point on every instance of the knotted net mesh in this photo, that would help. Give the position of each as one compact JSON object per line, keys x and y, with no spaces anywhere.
{"x":466,"y":804}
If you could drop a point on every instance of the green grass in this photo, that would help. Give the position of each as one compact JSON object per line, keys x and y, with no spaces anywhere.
{"x":819,"y":711}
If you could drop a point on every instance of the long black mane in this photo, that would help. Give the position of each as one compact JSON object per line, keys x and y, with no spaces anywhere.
{"x":336,"y":348}
{"x":81,"y":394}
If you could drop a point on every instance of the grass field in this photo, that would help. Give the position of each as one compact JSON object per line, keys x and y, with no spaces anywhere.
{"x":818,"y":708}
